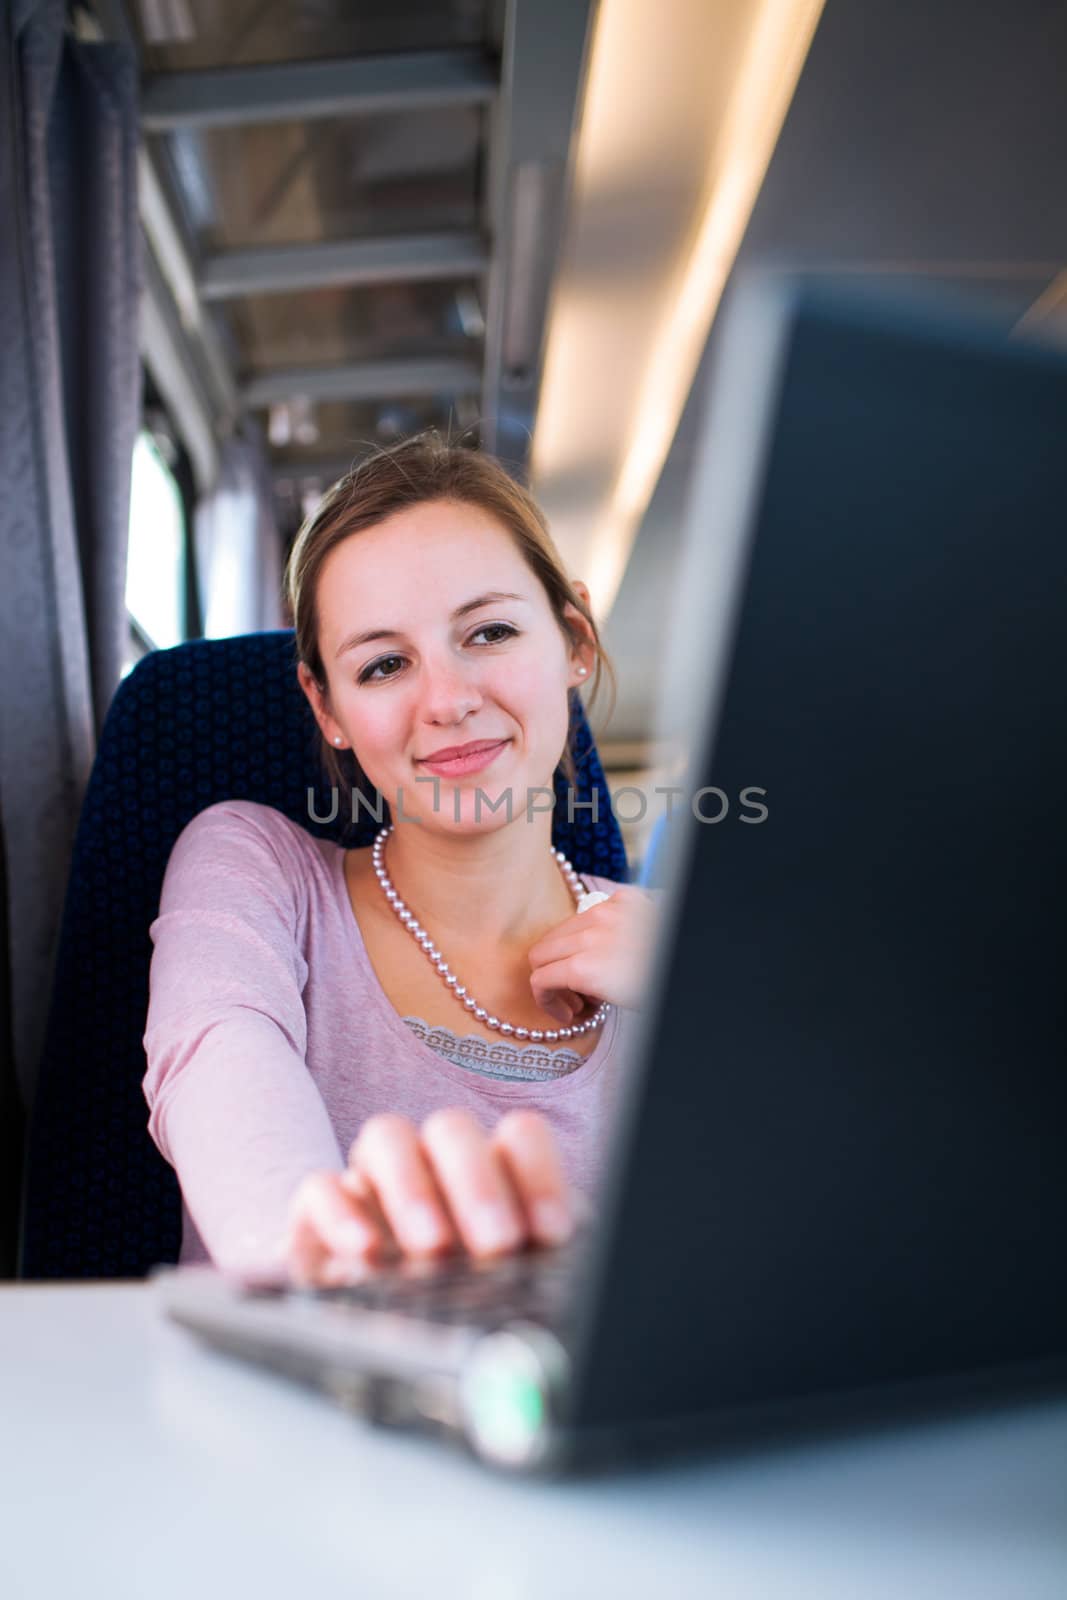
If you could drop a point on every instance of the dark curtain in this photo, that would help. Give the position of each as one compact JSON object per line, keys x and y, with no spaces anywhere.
{"x":12,"y":1118}
{"x":69,"y":409}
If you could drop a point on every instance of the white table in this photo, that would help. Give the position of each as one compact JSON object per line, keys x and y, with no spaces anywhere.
{"x":134,"y":1463}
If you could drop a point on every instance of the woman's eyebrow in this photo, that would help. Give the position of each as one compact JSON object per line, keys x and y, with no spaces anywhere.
{"x":396,"y":633}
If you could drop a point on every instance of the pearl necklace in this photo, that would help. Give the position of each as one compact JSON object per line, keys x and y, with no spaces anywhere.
{"x":460,"y":990}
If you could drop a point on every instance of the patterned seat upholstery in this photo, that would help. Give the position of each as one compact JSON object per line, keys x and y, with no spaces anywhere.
{"x":207,"y":721}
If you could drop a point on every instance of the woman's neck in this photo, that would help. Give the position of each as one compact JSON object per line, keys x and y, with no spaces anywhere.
{"x":499,"y":889}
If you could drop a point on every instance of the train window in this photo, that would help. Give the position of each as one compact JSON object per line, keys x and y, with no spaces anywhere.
{"x":155,"y":564}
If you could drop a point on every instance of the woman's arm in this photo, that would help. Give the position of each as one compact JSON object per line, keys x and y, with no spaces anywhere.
{"x":233,"y":1107}
{"x":236,"y":1113}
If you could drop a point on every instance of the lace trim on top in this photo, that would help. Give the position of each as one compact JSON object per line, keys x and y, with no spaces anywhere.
{"x":496,"y":1058}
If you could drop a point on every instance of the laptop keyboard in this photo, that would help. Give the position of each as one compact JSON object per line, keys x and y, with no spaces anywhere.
{"x":533,"y":1286}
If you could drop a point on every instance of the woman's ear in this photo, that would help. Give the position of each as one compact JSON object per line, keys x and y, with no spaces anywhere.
{"x":583,"y":653}
{"x":332,"y":731}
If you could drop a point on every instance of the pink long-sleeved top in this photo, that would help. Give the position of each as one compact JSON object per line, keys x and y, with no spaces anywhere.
{"x":270,"y":1040}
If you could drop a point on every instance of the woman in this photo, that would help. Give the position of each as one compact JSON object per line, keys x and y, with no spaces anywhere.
{"x":437,"y":1006}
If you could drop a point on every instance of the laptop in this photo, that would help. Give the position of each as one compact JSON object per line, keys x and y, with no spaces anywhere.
{"x":840,"y":1166}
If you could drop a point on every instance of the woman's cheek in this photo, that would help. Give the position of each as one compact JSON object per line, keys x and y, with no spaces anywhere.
{"x":377,"y":735}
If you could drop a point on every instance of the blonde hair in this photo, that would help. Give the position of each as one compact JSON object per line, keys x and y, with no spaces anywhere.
{"x":418,"y":470}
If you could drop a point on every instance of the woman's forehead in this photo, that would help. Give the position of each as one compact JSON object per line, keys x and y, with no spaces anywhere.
{"x":423,"y":564}
{"x":440,"y":531}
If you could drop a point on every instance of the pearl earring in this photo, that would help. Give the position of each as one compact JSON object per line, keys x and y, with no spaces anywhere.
{"x":337,"y":738}
{"x":582,"y":671}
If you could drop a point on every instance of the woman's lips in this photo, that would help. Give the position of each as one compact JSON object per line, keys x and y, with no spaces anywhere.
{"x":461,"y":764}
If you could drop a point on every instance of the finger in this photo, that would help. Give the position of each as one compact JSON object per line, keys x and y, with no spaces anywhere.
{"x":337,"y":1273}
{"x":527,"y":1145}
{"x":562,"y":1005}
{"x":570,"y":935}
{"x":356,"y":1184}
{"x":304,"y":1252}
{"x":570,"y":972}
{"x":562,"y":941}
{"x":475,"y":1182}
{"x":573,"y":975}
{"x":388,"y":1155}
{"x":335,"y":1216}
{"x":326,"y":1223}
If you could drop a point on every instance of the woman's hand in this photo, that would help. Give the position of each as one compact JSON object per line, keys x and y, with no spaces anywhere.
{"x":428,"y":1191}
{"x":596,"y":955}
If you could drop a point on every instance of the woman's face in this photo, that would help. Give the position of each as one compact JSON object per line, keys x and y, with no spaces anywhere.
{"x":445,"y":671}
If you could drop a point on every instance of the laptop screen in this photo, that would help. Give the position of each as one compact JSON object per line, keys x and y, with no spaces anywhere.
{"x":841,"y":1160}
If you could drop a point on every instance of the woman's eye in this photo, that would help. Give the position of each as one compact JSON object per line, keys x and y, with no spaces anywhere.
{"x":371,"y":672}
{"x":503,"y":628}
{"x":374,"y":674}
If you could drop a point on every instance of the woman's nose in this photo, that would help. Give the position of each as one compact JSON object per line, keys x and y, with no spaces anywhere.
{"x":449,"y":693}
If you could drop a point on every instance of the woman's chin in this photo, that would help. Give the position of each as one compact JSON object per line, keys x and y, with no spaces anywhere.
{"x":480,"y":803}
{"x":476,"y":808}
